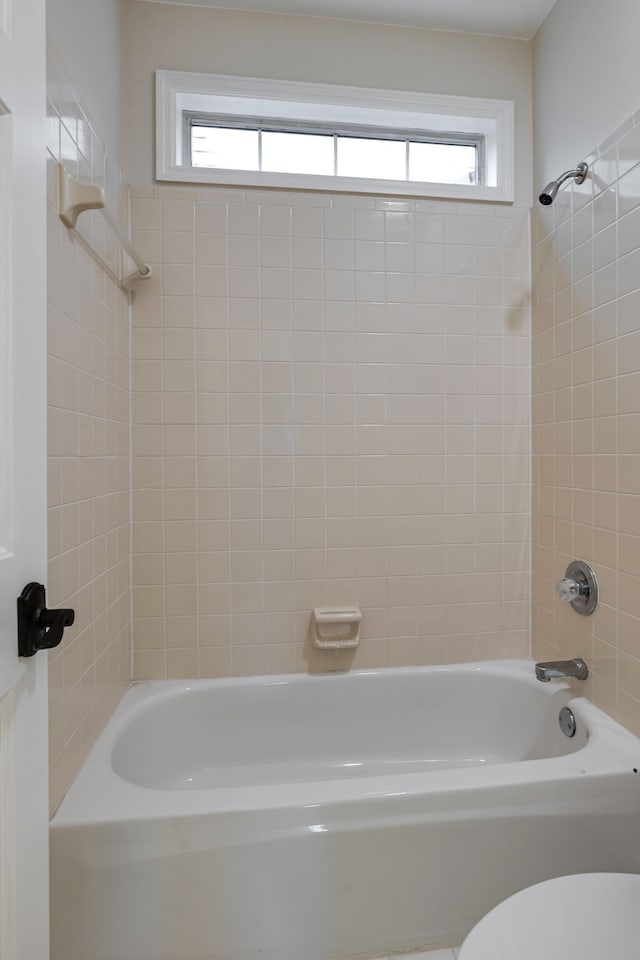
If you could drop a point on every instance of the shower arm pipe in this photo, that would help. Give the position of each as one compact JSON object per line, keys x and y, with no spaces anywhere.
{"x":76,"y":197}
{"x":578,"y":174}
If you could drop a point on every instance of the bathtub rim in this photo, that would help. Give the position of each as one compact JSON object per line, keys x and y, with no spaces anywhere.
{"x":99,"y":794}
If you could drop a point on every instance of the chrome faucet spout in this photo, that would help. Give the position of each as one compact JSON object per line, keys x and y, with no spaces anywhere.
{"x":562,"y":670}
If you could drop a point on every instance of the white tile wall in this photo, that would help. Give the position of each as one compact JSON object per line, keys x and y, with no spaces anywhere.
{"x":586,"y":414}
{"x":331,"y":405}
{"x":88,"y":449}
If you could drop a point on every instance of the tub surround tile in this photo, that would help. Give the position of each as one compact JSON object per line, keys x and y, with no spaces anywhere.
{"x":586,"y":408}
{"x":327,"y":412}
{"x":88,"y":457}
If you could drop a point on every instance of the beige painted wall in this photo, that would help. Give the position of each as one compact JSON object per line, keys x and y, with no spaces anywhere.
{"x":86,"y":34}
{"x":166,"y":36}
{"x":586,"y":79}
{"x":586,"y":259}
{"x":412,"y":499}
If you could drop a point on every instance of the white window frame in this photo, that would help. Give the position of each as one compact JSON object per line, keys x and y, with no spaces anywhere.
{"x":177,"y":92}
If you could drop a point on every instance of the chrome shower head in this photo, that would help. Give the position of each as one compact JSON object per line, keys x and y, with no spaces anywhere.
{"x":550,"y":192}
{"x":548,"y":195}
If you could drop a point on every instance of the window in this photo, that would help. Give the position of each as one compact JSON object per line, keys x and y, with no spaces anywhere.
{"x":211,"y":142}
{"x":243,"y":131}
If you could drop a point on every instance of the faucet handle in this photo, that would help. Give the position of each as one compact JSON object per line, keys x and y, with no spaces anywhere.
{"x":569,"y":589}
{"x":579,"y":587}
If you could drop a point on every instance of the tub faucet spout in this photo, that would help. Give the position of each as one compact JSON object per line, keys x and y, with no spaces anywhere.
{"x":562,"y":669}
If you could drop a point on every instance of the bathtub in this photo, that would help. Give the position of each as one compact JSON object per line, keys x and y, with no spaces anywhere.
{"x":309,"y":818}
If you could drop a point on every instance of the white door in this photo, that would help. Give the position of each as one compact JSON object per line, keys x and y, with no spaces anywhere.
{"x":24,"y":923}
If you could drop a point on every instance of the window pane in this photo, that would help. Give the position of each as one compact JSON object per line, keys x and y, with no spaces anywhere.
{"x":442,"y":163}
{"x":226,"y":148}
{"x":297,"y":153}
{"x":382,"y":159}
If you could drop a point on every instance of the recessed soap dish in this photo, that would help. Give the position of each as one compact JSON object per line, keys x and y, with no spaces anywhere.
{"x":336,"y":628}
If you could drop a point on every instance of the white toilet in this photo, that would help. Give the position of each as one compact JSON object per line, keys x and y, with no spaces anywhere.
{"x":589,"y":916}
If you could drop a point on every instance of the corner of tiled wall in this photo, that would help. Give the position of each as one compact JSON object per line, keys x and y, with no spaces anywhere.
{"x":586,"y":420}
{"x":88,"y":452}
{"x":331,"y":405}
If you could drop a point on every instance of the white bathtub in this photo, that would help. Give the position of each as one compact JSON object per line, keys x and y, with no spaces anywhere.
{"x":308,"y":818}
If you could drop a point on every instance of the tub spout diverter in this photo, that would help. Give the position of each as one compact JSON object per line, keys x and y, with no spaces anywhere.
{"x":562,"y":670}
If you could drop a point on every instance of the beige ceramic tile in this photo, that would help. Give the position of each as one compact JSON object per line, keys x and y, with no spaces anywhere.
{"x":315,"y":469}
{"x":602,"y":526}
{"x":88,"y":493}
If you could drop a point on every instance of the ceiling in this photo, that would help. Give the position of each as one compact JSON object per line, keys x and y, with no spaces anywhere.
{"x":509,"y":18}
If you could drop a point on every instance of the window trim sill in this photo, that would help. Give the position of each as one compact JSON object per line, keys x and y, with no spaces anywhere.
{"x":171,"y":85}
{"x":319,"y":184}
